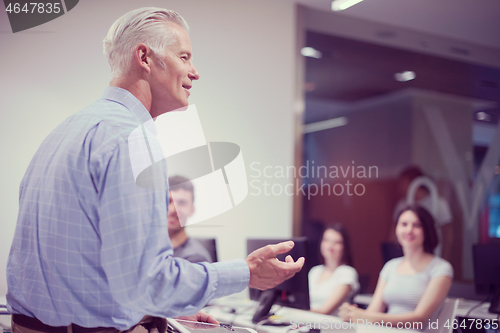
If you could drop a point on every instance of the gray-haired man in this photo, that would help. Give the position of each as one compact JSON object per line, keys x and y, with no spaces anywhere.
{"x":91,"y":252}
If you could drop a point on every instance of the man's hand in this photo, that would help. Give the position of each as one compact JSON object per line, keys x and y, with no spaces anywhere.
{"x":202,"y":317}
{"x":266,"y":271}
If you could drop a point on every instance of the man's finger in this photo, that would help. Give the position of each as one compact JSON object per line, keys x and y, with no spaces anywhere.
{"x":288,"y":270}
{"x":206,"y":318}
{"x":297,"y":266}
{"x":279,"y":248}
{"x":291,"y":266}
{"x":300,"y":262}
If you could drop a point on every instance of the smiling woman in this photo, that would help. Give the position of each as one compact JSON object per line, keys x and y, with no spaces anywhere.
{"x":411,"y":288}
{"x":416,"y":230}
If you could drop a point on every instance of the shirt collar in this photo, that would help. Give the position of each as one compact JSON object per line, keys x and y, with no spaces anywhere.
{"x":125,"y":98}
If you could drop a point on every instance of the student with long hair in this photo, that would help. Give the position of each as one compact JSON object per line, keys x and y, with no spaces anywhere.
{"x":411,"y":288}
{"x":336,"y":281}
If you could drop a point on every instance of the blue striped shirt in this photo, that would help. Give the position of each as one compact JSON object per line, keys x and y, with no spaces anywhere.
{"x":91,"y":247}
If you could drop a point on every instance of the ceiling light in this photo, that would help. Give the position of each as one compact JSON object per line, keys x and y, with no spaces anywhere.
{"x":325,"y":124}
{"x":338,"y":5}
{"x":483,"y":116}
{"x":311,"y":52}
{"x":405,"y":76}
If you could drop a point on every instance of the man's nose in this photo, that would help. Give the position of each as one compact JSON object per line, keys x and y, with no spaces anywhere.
{"x":194,"y":74}
{"x":171,"y":207}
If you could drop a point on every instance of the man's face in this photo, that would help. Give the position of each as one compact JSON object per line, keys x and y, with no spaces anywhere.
{"x":180,"y":208}
{"x":170,"y":84}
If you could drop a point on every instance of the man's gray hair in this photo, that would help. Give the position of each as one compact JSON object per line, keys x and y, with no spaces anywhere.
{"x":145,"y":25}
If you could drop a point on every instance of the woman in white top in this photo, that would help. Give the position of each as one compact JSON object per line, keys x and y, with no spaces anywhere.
{"x":336,"y":281}
{"x":411,"y":288}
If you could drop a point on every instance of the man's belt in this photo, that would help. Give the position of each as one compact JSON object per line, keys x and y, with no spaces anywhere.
{"x":37,"y":325}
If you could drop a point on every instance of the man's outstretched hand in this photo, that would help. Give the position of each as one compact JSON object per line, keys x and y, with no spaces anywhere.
{"x":266,"y":271}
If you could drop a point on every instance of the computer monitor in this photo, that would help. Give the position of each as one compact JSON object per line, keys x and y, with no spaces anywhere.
{"x":487,"y":272}
{"x":293,"y":292}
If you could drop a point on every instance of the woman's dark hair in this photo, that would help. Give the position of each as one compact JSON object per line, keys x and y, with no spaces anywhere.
{"x":431,"y":239}
{"x":346,"y":253}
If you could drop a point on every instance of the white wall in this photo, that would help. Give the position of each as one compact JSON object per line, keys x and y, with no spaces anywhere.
{"x":244,"y":51}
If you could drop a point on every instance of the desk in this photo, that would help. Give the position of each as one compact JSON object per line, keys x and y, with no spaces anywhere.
{"x":363,"y":299}
{"x":464,"y":306}
{"x":481,"y":312}
{"x":239,"y":312}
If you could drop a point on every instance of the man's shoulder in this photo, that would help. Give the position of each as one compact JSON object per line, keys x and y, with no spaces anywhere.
{"x":104,"y":118}
{"x":108,"y":113}
{"x":194,"y":243}
{"x":116,"y":112}
{"x":195,"y":251}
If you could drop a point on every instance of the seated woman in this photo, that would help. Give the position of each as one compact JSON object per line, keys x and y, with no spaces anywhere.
{"x":336,"y":281}
{"x":411,"y":288}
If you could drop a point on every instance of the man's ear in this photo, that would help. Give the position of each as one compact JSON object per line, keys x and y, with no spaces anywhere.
{"x":142,"y":57}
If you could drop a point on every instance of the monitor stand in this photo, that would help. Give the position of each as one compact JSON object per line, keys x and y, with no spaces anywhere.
{"x":495,"y":302}
{"x":266,"y":301}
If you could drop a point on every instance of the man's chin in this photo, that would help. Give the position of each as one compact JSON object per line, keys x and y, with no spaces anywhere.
{"x":179,"y":105}
{"x":174,"y":232}
{"x":174,"y":226}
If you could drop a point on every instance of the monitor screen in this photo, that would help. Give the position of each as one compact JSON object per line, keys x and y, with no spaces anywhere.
{"x":494,"y":216}
{"x":486,"y":268}
{"x":293,"y":292}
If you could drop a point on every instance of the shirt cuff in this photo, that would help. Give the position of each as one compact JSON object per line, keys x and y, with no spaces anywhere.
{"x":234,"y":276}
